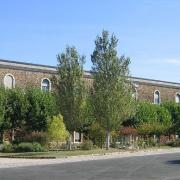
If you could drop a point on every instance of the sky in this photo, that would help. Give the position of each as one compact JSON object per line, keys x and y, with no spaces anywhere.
{"x":36,"y":31}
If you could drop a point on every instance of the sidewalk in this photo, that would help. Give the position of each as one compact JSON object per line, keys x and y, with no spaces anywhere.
{"x":9,"y":163}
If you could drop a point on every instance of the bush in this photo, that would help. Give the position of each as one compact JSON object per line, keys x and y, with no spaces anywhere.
{"x":115,"y":145}
{"x":57,"y":130}
{"x":25,"y":147}
{"x":76,"y":146}
{"x":35,"y":136}
{"x":171,"y":143}
{"x":97,"y":134}
{"x":152,"y":119}
{"x":29,"y":147}
{"x":7,"y":148}
{"x":37,"y":147}
{"x":142,"y":144}
{"x":87,"y":145}
{"x":175,"y":143}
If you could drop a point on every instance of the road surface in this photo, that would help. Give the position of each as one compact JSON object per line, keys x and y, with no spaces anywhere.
{"x":154,"y":167}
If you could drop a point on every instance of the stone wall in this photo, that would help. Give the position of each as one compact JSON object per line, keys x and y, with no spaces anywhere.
{"x":24,"y":78}
{"x":167,"y":93}
{"x":27,"y":74}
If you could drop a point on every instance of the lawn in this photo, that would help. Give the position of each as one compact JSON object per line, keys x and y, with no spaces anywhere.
{"x":64,"y":154}
{"x":58,"y":154}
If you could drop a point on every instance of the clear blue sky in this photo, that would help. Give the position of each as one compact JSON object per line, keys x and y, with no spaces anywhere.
{"x":148,"y":31}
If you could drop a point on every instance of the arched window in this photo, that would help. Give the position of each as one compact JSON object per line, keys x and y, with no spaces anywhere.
{"x":135,"y":91}
{"x":177,"y":98}
{"x":135,"y":94}
{"x":45,"y":85}
{"x":157,"y":97}
{"x":9,"y":81}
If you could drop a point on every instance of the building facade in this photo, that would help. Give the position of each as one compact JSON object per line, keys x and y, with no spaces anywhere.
{"x":20,"y":74}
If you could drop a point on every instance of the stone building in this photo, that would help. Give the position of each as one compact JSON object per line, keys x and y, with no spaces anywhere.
{"x":20,"y":74}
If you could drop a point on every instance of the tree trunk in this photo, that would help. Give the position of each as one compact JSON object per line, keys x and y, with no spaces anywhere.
{"x":107,"y":139}
{"x":12,"y":135}
{"x":2,"y":136}
{"x":102,"y":143}
{"x":70,"y":143}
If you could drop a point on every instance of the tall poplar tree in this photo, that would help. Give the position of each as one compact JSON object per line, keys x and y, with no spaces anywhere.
{"x":112,"y":91}
{"x":70,"y":87}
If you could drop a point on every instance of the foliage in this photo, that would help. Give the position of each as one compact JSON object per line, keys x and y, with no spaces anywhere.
{"x":35,"y":136}
{"x":152,"y":119}
{"x":97,"y":134}
{"x":87,"y":145}
{"x":15,"y":109}
{"x":112,"y":91}
{"x":128,"y":131}
{"x":57,"y":130}
{"x":41,"y":106}
{"x":25,"y":110}
{"x":174,"y":143}
{"x":7,"y":148}
{"x":70,"y":87}
{"x":3,"y":123}
{"x":37,"y":147}
{"x":29,"y":147}
{"x":87,"y":116}
{"x":25,"y":147}
{"x":174,"y":110}
{"x":146,"y":112}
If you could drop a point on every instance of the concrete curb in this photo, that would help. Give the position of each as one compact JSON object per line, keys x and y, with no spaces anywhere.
{"x":12,"y":162}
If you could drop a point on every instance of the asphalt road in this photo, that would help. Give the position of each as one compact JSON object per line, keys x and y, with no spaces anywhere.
{"x":155,"y":167}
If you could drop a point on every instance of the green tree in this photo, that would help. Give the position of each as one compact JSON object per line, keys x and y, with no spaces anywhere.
{"x":152,"y":119}
{"x":41,"y":106}
{"x":70,"y":88}
{"x":56,"y":130}
{"x":112,"y":91}
{"x":97,"y":134}
{"x":3,"y":124}
{"x":174,"y":110}
{"x":15,"y":109}
{"x":146,"y":113}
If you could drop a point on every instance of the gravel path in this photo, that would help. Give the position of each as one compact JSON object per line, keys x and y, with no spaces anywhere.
{"x":13,"y":162}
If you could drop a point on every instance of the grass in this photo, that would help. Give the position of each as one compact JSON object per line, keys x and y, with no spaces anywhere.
{"x":57,"y":154}
{"x":64,"y":154}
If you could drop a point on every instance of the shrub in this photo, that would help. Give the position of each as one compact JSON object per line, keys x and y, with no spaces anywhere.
{"x":35,"y":136}
{"x":37,"y":147}
{"x":55,"y":145}
{"x":171,"y":143}
{"x":25,"y":147}
{"x":7,"y":148}
{"x":97,"y":134}
{"x":87,"y":145}
{"x":29,"y":147}
{"x":64,"y":146}
{"x":114,"y":145}
{"x":76,"y":146}
{"x":57,"y":129}
{"x":152,"y":119}
{"x":142,"y":144}
{"x":1,"y":147}
{"x":176,"y":143}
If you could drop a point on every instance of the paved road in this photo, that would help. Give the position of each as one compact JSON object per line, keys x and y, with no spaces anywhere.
{"x":155,"y":167}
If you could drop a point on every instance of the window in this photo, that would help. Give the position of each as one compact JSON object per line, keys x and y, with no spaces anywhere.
{"x":77,"y":137}
{"x":156,"y":97}
{"x":9,"y":81}
{"x":135,"y":94}
{"x":45,"y":85}
{"x":177,"y":98}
